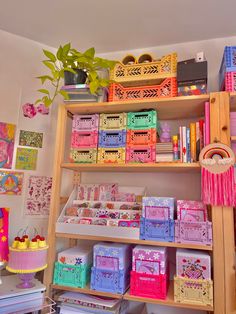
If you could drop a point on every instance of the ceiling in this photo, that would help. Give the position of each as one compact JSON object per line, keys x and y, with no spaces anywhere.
{"x":111,"y":25}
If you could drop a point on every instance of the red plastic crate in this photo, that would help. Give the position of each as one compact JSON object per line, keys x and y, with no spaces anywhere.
{"x":168,"y":88}
{"x":229,"y":82}
{"x":149,"y":286}
{"x":141,"y":137}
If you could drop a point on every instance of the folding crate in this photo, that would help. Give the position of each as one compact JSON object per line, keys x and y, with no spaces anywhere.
{"x":193,"y":232}
{"x":167,"y":88}
{"x":71,"y":275}
{"x":163,"y":68}
{"x":109,"y":280}
{"x":141,"y":154}
{"x":229,"y":82}
{"x":142,"y":120}
{"x":149,"y":286}
{"x":160,"y":230}
{"x":88,"y":122}
{"x":111,"y":155}
{"x":141,"y":137}
{"x":191,"y":211}
{"x":228,"y":63}
{"x":195,"y":291}
{"x":161,"y":208}
{"x":84,"y":155}
{"x":113,"y":121}
{"x":112,"y":138}
{"x":84,"y":139}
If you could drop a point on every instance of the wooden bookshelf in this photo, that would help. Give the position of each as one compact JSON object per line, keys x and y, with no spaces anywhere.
{"x":233,"y":138}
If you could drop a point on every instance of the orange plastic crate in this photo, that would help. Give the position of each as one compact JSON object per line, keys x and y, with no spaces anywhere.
{"x":141,"y":137}
{"x":168,"y":88}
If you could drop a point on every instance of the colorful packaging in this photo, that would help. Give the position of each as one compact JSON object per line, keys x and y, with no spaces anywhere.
{"x":191,"y":211}
{"x":159,"y":208}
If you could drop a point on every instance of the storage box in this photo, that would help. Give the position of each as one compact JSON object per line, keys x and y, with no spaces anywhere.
{"x":192,"y":211}
{"x":228,"y":83}
{"x":160,"y":208}
{"x":142,"y":120}
{"x":111,"y":155}
{"x":150,"y":260}
{"x":113,"y":121}
{"x":141,"y":137}
{"x":190,"y":70}
{"x":71,"y":275}
{"x":112,"y":256}
{"x":228,"y":63}
{"x":76,"y":256}
{"x":149,"y":286}
{"x":157,"y":230}
{"x":192,"y":89}
{"x":193,"y":232}
{"x":112,"y":138}
{"x":109,"y":280}
{"x":83,"y":155}
{"x":89,"y":122}
{"x":84,"y":139}
{"x":193,"y":264}
{"x":81,"y":93}
{"x":193,"y":291}
{"x":141,"y":154}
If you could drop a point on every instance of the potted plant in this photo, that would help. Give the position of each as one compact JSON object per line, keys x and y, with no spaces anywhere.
{"x":76,"y":68}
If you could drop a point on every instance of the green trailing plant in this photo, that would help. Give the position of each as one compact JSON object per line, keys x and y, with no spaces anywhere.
{"x":69,"y":59}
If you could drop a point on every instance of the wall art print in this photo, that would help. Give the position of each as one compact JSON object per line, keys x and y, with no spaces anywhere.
{"x":38,"y":196}
{"x":26,"y":158}
{"x":11,"y":182}
{"x":7,"y":137}
{"x":31,"y":139}
{"x":4,"y":224}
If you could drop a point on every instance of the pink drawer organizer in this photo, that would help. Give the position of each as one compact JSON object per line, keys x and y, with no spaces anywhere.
{"x":193,"y":232}
{"x":88,"y":122}
{"x":84,"y":139}
{"x":141,"y":154}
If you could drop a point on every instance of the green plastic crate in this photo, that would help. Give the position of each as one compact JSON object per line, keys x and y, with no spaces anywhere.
{"x":71,"y":275}
{"x":142,"y":120}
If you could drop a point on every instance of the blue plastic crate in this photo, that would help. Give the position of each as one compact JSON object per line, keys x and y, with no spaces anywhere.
{"x":228,"y":63}
{"x":160,"y":230}
{"x":71,"y":275}
{"x":112,"y":138}
{"x":110,"y":280}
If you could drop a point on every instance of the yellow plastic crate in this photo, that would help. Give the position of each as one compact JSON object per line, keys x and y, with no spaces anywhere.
{"x":160,"y":69}
{"x":84,"y":155}
{"x":111,"y":155}
{"x":113,"y":121}
{"x":193,"y":291}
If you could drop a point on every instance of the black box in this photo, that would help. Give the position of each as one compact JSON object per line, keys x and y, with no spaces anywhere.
{"x":190,"y":70}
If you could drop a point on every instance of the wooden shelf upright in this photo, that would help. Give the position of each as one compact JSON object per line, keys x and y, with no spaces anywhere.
{"x":222,"y":218}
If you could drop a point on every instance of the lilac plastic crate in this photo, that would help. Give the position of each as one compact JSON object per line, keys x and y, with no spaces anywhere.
{"x":84,"y":139}
{"x":193,"y":232}
{"x":112,"y":138}
{"x":141,"y":154}
{"x":88,"y":122}
{"x":158,"y":230}
{"x":110,"y":281}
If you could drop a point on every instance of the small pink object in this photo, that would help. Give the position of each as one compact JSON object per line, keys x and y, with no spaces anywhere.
{"x":141,"y":154}
{"x":165,"y":133}
{"x":41,"y":108}
{"x":29,"y":110}
{"x":192,"y":211}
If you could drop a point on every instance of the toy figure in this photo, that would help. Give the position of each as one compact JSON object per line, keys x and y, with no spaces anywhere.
{"x":165,"y":133}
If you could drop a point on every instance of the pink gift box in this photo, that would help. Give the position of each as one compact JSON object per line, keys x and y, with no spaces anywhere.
{"x":84,"y":139}
{"x":192,"y":211}
{"x":97,"y":192}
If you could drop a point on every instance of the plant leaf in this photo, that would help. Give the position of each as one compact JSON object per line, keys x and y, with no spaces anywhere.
{"x":43,"y":78}
{"x":64,"y":94}
{"x":50,"y":55}
{"x":37,"y":101}
{"x":90,"y":53}
{"x":93,"y":75}
{"x":59,"y":53}
{"x":44,"y":91}
{"x":47,"y":101}
{"x":49,"y":65}
{"x":104,"y":82}
{"x":66,"y":49}
{"x":93,"y":86}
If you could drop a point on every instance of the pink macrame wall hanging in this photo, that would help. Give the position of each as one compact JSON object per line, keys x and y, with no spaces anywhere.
{"x":217,"y":162}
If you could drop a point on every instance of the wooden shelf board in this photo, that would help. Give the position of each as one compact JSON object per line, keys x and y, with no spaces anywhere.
{"x":134,"y":241}
{"x":233,"y":138}
{"x":151,"y":167}
{"x":170,"y":108}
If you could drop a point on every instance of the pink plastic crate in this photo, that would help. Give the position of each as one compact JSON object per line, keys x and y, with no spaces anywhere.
{"x":84,"y":139}
{"x":149,"y":286}
{"x":88,"y":122}
{"x":141,"y":154}
{"x":193,"y":232}
{"x":191,"y":211}
{"x":229,"y":83}
{"x":232,"y":123}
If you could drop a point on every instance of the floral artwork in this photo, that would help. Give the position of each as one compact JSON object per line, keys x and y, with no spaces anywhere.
{"x":11,"y":182}
{"x":26,"y":158}
{"x":32,"y":139}
{"x":7,"y":136}
{"x":38,"y":196}
{"x":4,"y":224}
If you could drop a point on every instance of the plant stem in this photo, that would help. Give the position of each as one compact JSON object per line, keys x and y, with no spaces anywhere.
{"x":56,"y":90}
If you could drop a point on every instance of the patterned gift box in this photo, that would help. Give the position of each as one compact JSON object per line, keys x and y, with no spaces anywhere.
{"x":95,"y":192}
{"x":111,"y":256}
{"x":160,"y":208}
{"x":149,"y":260}
{"x":76,"y":256}
{"x":192,"y":211}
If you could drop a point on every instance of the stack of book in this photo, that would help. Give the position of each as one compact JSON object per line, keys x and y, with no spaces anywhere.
{"x":164,"y":152}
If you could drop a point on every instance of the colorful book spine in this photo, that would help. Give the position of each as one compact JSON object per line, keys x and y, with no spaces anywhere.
{"x":197,"y":140}
{"x":180,"y":144}
{"x":193,"y":142}
{"x":201,"y":133}
{"x":207,"y":123}
{"x":175,"y":147}
{"x":184,"y":143}
{"x":188,"y":146}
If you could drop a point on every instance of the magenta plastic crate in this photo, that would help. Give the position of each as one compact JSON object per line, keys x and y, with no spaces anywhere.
{"x":141,"y":154}
{"x":84,"y":139}
{"x":149,"y":286}
{"x":229,"y":82}
{"x":88,"y":122}
{"x":193,"y":232}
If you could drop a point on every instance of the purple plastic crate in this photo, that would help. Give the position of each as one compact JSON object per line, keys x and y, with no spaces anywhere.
{"x":193,"y":232}
{"x":88,"y":122}
{"x":84,"y":139}
{"x":110,"y":281}
{"x":112,"y":138}
{"x":158,"y":230}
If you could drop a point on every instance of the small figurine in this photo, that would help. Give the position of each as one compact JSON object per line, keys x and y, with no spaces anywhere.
{"x":165,"y":133}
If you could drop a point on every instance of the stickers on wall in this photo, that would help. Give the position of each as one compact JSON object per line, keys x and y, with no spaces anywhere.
{"x":26,"y":158}
{"x":31,"y":139}
{"x":38,"y":196}
{"x":7,"y":136}
{"x":11,"y":182}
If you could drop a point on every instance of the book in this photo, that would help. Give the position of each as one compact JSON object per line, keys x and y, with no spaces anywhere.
{"x":201,"y":133}
{"x":193,"y":142}
{"x":184,"y":144}
{"x":188,"y":146}
{"x":197,"y":140}
{"x":180,"y":144}
{"x":207,"y":123}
